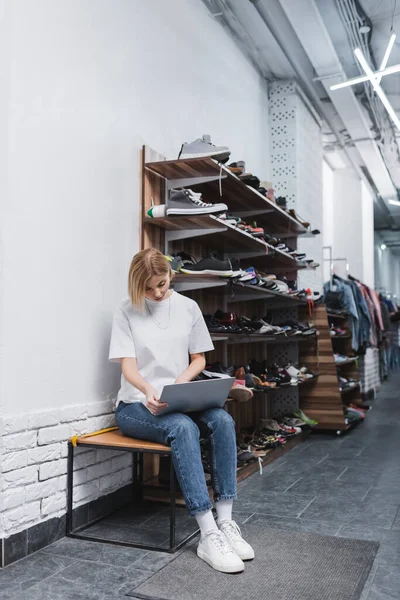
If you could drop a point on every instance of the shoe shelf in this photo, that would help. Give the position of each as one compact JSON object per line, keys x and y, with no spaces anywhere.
{"x":235,"y":291}
{"x":279,"y":388}
{"x":354,"y":388}
{"x":348,"y":361}
{"x":324,"y":401}
{"x":335,"y":316}
{"x":238,"y":338}
{"x":206,"y":175}
{"x":199,"y":235}
{"x":227,"y":238}
{"x":242,"y":292}
{"x":185,"y":283}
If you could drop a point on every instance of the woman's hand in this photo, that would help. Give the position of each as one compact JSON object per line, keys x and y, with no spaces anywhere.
{"x":153,"y":400}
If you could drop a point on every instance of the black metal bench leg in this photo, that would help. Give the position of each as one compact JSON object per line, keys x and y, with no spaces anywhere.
{"x":70,"y":485}
{"x":172,"y":506}
{"x":141,"y":476}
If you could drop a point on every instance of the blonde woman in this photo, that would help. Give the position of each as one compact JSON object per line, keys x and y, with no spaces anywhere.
{"x":159,"y":337}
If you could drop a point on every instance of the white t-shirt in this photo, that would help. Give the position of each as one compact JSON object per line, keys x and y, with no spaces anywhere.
{"x":162,"y":351}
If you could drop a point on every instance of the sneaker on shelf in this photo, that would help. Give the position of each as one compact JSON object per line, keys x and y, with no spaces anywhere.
{"x":186,"y":202}
{"x":237,"y":271}
{"x":215,"y":549}
{"x":229,"y":219}
{"x":213,"y":325}
{"x":202,"y":148}
{"x":282,"y":287}
{"x":234,"y":538}
{"x":295,"y":216}
{"x":301,"y":415}
{"x":238,"y":167}
{"x":293,"y":422}
{"x":244,"y":457}
{"x":248,"y":274}
{"x":281,"y":202}
{"x":208,"y":266}
{"x":250,"y":180}
{"x":175,"y":262}
{"x":340,"y":358}
{"x":157,"y":211}
{"x":225,"y":318}
{"x":218,"y":368}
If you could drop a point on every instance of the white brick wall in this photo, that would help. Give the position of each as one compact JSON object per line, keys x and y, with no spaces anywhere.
{"x":33,"y":450}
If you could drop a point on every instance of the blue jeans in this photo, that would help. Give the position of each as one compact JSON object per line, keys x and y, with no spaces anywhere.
{"x":182,"y":432}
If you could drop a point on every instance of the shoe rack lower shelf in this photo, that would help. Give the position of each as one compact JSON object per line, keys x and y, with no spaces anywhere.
{"x":155,"y":491}
{"x":323,"y":400}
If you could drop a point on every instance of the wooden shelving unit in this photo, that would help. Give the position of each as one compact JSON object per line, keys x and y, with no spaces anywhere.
{"x":201,"y":234}
{"x":241,"y":199}
{"x":324,"y":401}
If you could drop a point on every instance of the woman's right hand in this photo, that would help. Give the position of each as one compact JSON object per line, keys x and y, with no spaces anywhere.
{"x":152,"y":400}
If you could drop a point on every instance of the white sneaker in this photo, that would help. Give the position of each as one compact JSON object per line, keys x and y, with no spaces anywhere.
{"x":215,"y":550}
{"x":234,"y":536}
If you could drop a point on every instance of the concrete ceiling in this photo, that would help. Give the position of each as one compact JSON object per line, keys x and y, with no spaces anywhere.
{"x":280,"y":45}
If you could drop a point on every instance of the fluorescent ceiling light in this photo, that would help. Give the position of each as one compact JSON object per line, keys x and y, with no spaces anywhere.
{"x":394,"y":202}
{"x":377,"y":74}
{"x":368,"y":71}
{"x":387,"y":54}
{"x":383,"y":246}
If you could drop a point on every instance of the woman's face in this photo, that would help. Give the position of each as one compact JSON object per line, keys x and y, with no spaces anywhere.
{"x":157,"y":287}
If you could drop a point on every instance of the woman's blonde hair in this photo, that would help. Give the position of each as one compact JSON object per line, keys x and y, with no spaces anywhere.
{"x":145,"y":264}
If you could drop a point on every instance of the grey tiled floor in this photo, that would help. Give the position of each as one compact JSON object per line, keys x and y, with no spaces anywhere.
{"x":345,"y":486}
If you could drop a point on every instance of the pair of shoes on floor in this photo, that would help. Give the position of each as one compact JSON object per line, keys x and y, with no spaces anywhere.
{"x":225,"y":550}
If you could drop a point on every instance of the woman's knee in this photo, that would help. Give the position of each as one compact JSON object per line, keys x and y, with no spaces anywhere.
{"x":219,"y":418}
{"x":182,"y":426}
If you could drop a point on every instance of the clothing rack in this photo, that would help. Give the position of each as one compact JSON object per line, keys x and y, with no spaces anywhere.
{"x":331,"y":260}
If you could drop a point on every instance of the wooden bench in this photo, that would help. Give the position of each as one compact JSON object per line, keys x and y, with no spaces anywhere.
{"x":113,"y":439}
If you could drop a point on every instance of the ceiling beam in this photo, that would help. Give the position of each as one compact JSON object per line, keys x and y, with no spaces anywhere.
{"x":323,"y":56}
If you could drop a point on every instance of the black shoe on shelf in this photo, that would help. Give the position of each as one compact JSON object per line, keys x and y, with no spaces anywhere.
{"x":208,"y":266}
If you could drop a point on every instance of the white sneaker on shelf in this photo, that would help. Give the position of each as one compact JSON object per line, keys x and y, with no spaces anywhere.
{"x":215,"y":550}
{"x":234,"y":536}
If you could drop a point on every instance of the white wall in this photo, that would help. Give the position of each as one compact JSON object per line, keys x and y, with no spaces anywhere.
{"x":87,"y":84}
{"x":328,"y":221}
{"x":368,"y":236}
{"x":348,"y":224}
{"x":387,"y":269}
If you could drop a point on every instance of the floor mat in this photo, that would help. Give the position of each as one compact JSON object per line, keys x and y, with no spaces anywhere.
{"x":287,"y":565}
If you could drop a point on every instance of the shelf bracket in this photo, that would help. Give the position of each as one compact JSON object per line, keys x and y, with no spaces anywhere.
{"x":176,"y":183}
{"x":184,"y":234}
{"x":253,"y":213}
{"x":182,"y":286}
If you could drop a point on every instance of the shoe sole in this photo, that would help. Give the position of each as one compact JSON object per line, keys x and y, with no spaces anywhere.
{"x":220,"y":154}
{"x":245,"y":278}
{"x":228,"y":569}
{"x":207,"y":272}
{"x":194,"y":211}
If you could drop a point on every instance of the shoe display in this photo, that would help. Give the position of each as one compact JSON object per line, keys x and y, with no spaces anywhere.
{"x":238,"y":168}
{"x":186,"y":202}
{"x":244,"y":457}
{"x":175,"y":262}
{"x":202,"y":147}
{"x":301,"y":415}
{"x":215,"y":549}
{"x":208,"y":266}
{"x":157,"y":211}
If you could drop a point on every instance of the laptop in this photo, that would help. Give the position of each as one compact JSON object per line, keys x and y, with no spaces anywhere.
{"x":196,"y":395}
